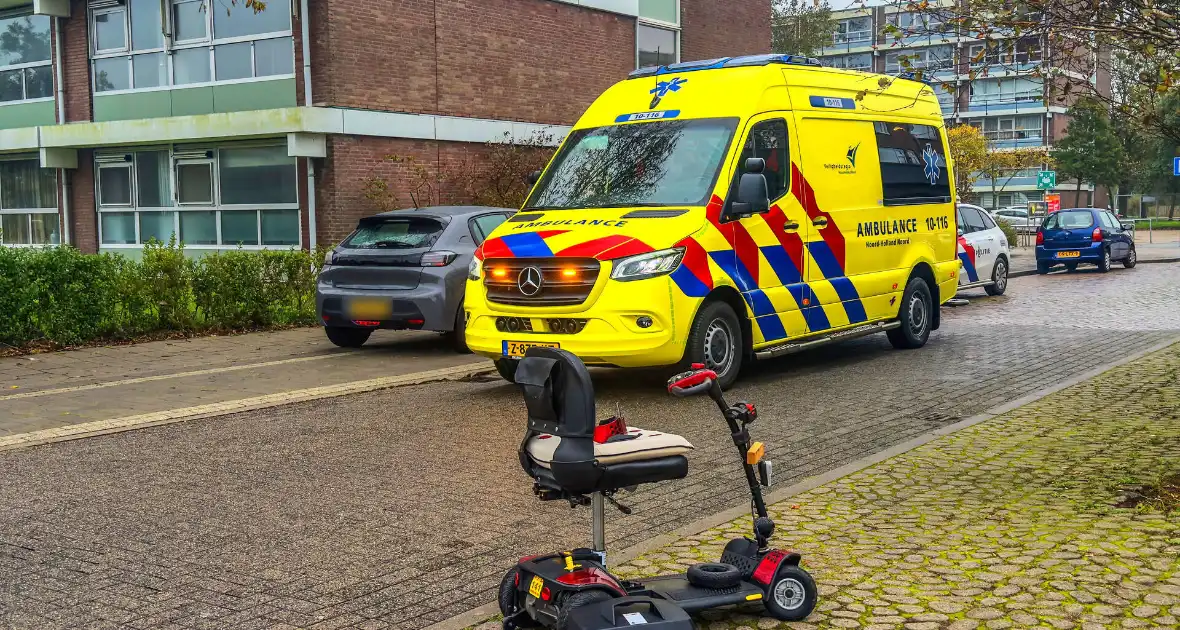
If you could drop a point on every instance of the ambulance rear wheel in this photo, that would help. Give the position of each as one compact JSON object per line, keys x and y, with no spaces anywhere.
{"x":917,"y":312}
{"x":507,"y":369}
{"x":716,"y":341}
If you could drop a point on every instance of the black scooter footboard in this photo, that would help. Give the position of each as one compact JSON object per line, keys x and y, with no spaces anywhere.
{"x":694,"y":598}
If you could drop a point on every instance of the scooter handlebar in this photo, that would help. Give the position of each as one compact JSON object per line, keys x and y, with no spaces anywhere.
{"x":697,"y":381}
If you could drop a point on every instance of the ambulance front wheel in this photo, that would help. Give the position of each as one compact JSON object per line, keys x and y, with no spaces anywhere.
{"x":915,"y":316}
{"x":507,"y":369}
{"x":716,"y":341}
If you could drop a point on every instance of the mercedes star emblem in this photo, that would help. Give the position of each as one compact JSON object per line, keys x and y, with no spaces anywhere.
{"x":529,"y":281}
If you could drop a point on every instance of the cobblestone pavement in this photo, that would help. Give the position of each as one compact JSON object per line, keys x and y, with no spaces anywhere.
{"x":59,"y":389}
{"x":1010,"y":523}
{"x":400,"y":508}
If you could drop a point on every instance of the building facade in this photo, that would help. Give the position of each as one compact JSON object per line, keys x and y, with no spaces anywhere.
{"x":123,"y":121}
{"x":995,"y":84}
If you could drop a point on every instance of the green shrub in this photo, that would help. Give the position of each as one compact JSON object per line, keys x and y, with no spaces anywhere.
{"x":1009,"y":232}
{"x":60,"y":296}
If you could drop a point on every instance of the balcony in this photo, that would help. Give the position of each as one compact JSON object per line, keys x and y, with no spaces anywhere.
{"x":1006,"y":103}
{"x":853,"y":38}
{"x":1015,"y":138}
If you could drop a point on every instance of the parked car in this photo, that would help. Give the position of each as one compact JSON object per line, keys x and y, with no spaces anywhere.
{"x":402,"y":270}
{"x":983,"y":251}
{"x":1084,"y":236}
{"x":1017,"y":217}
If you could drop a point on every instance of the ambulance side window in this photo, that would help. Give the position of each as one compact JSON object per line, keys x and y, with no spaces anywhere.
{"x":913,"y":164}
{"x":767,"y":140}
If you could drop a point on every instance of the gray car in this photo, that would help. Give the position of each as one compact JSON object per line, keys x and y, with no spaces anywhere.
{"x":403,"y":270}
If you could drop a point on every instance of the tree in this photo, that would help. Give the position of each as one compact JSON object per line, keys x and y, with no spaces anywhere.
{"x":1003,"y":164}
{"x":1078,"y":39}
{"x":969,"y":152}
{"x":1090,"y":151}
{"x":801,"y":27}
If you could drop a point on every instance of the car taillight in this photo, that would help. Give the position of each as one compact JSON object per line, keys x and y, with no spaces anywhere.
{"x":438,"y":259}
{"x":1040,"y":237}
{"x":1097,"y":235}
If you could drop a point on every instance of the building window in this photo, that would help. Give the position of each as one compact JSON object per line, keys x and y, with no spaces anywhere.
{"x":656,"y":46}
{"x":208,"y":44}
{"x":231,"y":196}
{"x":1018,"y":90}
{"x":860,"y":61}
{"x":912,"y":23}
{"x":26,"y":72}
{"x":1012,"y":127}
{"x":859,"y":29}
{"x":933,"y":58}
{"x":28,"y":204}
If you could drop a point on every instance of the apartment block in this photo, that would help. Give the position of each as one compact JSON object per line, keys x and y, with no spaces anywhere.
{"x":995,"y":84}
{"x":123,"y":121}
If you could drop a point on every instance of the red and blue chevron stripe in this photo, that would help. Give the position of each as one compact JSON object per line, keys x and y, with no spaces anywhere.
{"x":967,"y":257}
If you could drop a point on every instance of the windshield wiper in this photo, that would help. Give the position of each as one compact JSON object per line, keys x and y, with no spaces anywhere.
{"x":392,"y":244}
{"x":634,"y":204}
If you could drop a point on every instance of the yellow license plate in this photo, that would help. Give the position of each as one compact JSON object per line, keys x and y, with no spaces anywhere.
{"x":536,"y":585}
{"x":1068,"y":254}
{"x":370,"y":308}
{"x":518,"y":348}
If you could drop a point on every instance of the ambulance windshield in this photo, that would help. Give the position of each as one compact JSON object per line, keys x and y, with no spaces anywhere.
{"x":666,"y":163}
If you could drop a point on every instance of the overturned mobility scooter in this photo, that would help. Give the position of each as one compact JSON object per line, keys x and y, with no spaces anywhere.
{"x":571,"y":457}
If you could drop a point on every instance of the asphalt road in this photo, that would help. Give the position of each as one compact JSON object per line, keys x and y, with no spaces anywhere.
{"x":402,"y":508}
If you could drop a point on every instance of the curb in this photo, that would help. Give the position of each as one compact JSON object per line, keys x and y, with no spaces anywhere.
{"x":1149,"y":261}
{"x":213,"y":410}
{"x":487,"y":611}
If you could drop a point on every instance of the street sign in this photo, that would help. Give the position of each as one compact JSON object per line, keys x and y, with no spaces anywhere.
{"x":1046,"y":180}
{"x":1176,"y":166}
{"x":1054,"y":203}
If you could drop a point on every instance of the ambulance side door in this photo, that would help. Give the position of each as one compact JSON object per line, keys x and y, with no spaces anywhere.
{"x":769,"y":250}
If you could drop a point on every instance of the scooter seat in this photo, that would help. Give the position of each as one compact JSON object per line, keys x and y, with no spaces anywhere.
{"x":638,"y":445}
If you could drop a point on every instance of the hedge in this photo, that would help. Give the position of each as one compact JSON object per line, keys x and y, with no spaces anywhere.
{"x":61,"y":297}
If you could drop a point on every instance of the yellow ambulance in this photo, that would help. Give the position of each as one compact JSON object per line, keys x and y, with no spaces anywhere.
{"x":718,"y":211}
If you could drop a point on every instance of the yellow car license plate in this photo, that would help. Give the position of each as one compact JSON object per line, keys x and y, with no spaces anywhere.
{"x":518,"y":348}
{"x":536,"y":585}
{"x":1068,"y":254}
{"x":370,"y":308}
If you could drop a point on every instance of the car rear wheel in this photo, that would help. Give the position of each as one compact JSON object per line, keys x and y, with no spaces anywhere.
{"x":1131,"y":259}
{"x":1104,"y":264}
{"x":917,"y":312}
{"x":999,"y":278}
{"x":1042,"y":268}
{"x":1071,"y":267}
{"x":347,"y":337}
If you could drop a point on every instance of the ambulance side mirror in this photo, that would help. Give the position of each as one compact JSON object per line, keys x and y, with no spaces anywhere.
{"x":532,"y":178}
{"x":753,"y":193}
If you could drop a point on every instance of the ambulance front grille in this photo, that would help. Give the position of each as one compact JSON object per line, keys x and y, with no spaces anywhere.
{"x":563,"y":281}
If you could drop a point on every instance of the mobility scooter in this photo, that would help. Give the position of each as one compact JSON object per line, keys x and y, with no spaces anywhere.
{"x":571,"y":457}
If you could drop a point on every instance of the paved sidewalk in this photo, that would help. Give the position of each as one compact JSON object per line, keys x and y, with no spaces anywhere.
{"x":1010,"y":523}
{"x":61,"y":389}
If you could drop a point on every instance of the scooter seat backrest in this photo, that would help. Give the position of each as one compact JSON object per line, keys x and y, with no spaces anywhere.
{"x":558,"y":393}
{"x":559,"y":396}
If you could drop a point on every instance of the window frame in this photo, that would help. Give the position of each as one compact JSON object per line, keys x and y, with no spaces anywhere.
{"x":209,"y":42}
{"x":177,"y":209}
{"x":29,"y":212}
{"x":913,"y":159}
{"x":659,"y":25}
{"x":23,"y":67}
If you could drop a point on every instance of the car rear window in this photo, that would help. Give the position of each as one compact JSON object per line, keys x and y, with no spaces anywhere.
{"x":1070,"y":220}
{"x":395,"y":233}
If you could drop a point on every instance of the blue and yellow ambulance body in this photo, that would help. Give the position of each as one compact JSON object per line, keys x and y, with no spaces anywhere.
{"x":649,"y":240}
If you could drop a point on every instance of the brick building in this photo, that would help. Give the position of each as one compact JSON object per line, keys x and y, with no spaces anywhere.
{"x":996,"y":84}
{"x":124,"y":120}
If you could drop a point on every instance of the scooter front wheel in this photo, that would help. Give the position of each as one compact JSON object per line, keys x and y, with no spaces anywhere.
{"x":792,"y":594}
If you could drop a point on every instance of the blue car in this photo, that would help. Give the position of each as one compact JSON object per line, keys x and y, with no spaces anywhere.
{"x":1083,"y":236}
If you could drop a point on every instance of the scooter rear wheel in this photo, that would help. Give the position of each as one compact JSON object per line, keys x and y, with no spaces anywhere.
{"x":792,"y":594}
{"x":577,"y":600}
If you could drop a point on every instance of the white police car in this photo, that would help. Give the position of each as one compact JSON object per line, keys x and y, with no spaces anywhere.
{"x":983,"y":251}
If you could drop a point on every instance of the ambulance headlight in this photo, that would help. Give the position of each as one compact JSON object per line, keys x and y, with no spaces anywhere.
{"x":649,"y":265}
{"x":474,"y":268}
